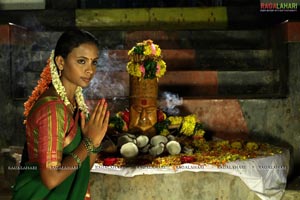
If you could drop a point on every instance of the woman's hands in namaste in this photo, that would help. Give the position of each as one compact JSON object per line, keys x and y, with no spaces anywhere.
{"x":95,"y":128}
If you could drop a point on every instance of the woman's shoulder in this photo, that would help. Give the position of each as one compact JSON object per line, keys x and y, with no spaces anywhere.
{"x":47,"y":103}
{"x":47,"y":98}
{"x":45,"y":107}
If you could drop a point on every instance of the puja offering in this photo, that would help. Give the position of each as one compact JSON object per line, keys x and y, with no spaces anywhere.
{"x":145,"y":135}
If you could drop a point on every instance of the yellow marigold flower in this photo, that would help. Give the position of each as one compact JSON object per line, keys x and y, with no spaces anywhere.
{"x":199,"y":133}
{"x":147,"y":50}
{"x":165,"y":132}
{"x":222,"y":143}
{"x":134,"y":69}
{"x":175,"y":120}
{"x":161,"y":69}
{"x":144,"y":52}
{"x":200,"y":144}
{"x":251,"y":146}
{"x":188,"y":125}
{"x":130,"y":52}
{"x":158,"y":50}
{"x":236,"y":145}
{"x":165,"y":116}
{"x":119,"y":114}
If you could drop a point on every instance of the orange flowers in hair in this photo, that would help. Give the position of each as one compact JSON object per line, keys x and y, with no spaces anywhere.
{"x":42,"y":86}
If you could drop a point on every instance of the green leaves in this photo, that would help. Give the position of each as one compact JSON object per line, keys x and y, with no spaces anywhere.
{"x":139,"y":50}
{"x":150,"y":69}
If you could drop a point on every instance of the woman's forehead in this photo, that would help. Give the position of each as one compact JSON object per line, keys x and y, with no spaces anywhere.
{"x":88,"y":50}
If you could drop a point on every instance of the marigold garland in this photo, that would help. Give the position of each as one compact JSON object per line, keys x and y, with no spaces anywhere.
{"x":188,"y":125}
{"x":216,"y":153}
{"x":42,"y":86}
{"x":146,"y":61}
{"x":175,"y":120}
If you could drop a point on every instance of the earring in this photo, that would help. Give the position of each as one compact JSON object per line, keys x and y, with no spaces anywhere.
{"x":59,"y":73}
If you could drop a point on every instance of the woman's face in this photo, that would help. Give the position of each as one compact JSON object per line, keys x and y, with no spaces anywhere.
{"x":80,"y":66}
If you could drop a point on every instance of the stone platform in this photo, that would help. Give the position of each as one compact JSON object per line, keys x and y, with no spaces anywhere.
{"x":185,"y":185}
{"x":258,"y":178}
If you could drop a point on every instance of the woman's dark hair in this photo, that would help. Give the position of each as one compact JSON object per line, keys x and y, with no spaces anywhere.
{"x":71,"y":39}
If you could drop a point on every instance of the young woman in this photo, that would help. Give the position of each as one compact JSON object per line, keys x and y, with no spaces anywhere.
{"x":62,"y":138}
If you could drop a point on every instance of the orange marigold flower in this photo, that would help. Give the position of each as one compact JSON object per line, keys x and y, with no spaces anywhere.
{"x":42,"y":86}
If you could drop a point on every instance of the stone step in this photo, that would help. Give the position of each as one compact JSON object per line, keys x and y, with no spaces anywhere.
{"x":248,"y":72}
{"x":223,"y":60}
{"x":152,"y":18}
{"x":199,"y":39}
{"x":193,"y":84}
{"x":185,"y":39}
{"x":181,"y":59}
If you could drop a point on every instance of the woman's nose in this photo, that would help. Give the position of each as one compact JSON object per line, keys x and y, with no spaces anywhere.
{"x":90,"y":69}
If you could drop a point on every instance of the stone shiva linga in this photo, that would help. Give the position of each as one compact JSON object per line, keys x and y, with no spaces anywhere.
{"x":145,"y":68}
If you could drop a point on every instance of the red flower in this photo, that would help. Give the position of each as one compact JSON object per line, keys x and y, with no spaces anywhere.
{"x":110,"y":161}
{"x":187,"y":159}
{"x":126,"y":116}
{"x":160,"y":116}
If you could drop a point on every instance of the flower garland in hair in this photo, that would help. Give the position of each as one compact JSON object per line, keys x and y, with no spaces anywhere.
{"x":42,"y":86}
{"x":60,"y":89}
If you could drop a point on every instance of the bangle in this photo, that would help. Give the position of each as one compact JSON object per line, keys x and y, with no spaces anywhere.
{"x":97,"y":149}
{"x":88,"y":144}
{"x":76,"y":158}
{"x":90,"y":147}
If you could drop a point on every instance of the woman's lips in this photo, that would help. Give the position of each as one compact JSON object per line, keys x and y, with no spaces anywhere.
{"x":87,"y":80}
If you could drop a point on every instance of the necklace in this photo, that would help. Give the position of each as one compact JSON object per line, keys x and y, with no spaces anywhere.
{"x":72,"y":107}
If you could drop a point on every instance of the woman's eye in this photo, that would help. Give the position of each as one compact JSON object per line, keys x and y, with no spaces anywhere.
{"x":81,"y":61}
{"x":95,"y":62}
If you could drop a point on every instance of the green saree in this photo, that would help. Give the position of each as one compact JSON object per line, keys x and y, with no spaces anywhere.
{"x":29,"y":184}
{"x":51,"y":130}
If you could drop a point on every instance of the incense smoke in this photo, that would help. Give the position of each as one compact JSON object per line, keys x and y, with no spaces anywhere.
{"x":169,"y":102}
{"x":107,"y":82}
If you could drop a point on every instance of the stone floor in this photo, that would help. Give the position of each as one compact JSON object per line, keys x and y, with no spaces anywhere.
{"x":225,"y":188}
{"x":292,"y":192}
{"x":5,"y":193}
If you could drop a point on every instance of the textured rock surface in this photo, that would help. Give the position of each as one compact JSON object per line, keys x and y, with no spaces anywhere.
{"x":185,"y":185}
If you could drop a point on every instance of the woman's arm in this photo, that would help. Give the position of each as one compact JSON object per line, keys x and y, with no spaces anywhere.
{"x":100,"y":118}
{"x":93,"y":158}
{"x":51,"y":177}
{"x":95,"y":129}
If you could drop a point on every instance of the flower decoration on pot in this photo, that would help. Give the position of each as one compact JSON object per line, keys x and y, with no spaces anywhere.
{"x":146,"y":61}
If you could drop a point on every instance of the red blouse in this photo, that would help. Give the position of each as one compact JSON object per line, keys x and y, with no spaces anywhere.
{"x":49,"y":128}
